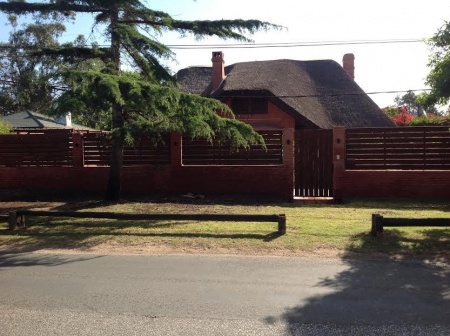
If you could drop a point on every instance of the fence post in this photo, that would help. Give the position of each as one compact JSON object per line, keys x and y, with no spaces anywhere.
{"x":377,"y":224}
{"x":339,"y":145}
{"x":77,"y":154}
{"x":176,"y":140}
{"x":12,"y":220}
{"x":282,"y":224}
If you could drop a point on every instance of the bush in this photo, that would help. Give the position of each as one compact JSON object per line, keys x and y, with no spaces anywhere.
{"x":5,"y":128}
{"x":430,"y":121}
{"x":403,"y":119}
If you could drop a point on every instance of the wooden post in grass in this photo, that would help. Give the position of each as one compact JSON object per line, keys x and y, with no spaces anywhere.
{"x":377,"y":224}
{"x":282,"y":224}
{"x":12,"y":220}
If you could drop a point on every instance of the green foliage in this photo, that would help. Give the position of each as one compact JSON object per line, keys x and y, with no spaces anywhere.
{"x":148,"y":103}
{"x":434,"y":120}
{"x":5,"y":128}
{"x":26,"y":79}
{"x":439,"y":77}
{"x":153,"y":109}
{"x":413,"y":104}
{"x":392,"y":111}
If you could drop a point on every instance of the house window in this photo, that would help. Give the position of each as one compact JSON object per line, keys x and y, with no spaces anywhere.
{"x":249,"y":105}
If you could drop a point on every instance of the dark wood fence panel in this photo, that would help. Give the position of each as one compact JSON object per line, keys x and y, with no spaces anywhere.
{"x":97,"y":151}
{"x":37,"y":150}
{"x":202,"y":152}
{"x":314,"y":163}
{"x":401,"y":148}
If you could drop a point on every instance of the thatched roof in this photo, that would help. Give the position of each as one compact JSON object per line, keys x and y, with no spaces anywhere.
{"x":317,"y":93}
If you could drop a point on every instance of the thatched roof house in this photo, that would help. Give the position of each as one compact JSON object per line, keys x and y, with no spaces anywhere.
{"x":317,"y":94}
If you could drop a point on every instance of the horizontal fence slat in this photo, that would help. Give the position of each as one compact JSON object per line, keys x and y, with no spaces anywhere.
{"x":203,"y":152}
{"x":130,"y":216}
{"x":97,"y":151}
{"x":401,"y":148}
{"x":54,"y":148}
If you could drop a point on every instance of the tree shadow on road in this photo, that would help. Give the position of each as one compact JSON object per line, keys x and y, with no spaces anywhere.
{"x":10,"y":259}
{"x":388,"y":294}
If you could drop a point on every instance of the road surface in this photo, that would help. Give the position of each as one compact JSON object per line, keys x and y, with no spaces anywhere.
{"x":43,"y":294}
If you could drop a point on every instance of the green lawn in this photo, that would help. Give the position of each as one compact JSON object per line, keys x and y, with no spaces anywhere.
{"x":341,"y":228}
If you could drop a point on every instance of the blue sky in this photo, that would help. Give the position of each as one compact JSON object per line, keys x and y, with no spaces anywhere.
{"x":378,"y":67}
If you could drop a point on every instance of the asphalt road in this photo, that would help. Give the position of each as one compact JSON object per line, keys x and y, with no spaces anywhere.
{"x":211,"y":295}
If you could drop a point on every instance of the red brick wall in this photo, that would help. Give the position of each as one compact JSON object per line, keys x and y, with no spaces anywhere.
{"x":392,"y":183}
{"x":275,"y":117}
{"x":173,"y":178}
{"x":273,"y":180}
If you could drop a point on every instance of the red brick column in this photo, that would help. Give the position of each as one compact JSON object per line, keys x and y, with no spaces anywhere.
{"x":176,"y":150}
{"x":339,"y":143}
{"x":77,"y":152}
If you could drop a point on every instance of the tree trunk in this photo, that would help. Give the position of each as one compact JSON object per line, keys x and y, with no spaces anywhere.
{"x":115,"y":171}
{"x":114,"y":187}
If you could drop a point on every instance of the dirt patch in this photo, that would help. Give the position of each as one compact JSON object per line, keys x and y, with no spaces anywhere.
{"x":114,"y":248}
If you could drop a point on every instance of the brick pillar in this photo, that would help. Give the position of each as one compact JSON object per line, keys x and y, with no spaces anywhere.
{"x":288,"y":159}
{"x":176,"y":150}
{"x":348,"y":63}
{"x":77,"y":152}
{"x":339,"y":145}
{"x":218,"y":70}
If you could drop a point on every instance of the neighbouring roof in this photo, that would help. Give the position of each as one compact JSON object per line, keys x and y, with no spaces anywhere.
{"x":29,"y":119}
{"x":317,"y":93}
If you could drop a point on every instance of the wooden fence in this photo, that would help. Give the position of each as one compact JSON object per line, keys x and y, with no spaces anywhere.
{"x":57,"y":149}
{"x":402,"y":148}
{"x":37,"y":150}
{"x":97,"y":151}
{"x":314,"y":163}
{"x":379,"y":222}
{"x":202,"y":152}
{"x":17,"y":218}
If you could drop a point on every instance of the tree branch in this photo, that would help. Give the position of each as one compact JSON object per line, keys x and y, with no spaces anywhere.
{"x":17,"y":7}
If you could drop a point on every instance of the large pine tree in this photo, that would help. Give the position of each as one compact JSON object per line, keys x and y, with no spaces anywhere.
{"x":148,"y":101}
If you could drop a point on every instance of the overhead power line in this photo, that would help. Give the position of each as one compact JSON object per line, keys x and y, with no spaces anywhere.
{"x":263,"y":45}
{"x":290,"y":44}
{"x":61,"y":88}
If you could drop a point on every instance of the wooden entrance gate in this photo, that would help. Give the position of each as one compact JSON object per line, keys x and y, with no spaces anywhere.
{"x":314,"y":163}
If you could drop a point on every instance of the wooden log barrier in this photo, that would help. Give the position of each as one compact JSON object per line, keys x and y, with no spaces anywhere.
{"x":22,"y":214}
{"x":379,"y":223}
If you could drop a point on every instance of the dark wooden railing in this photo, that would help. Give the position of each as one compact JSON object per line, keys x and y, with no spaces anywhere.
{"x":402,"y":148}
{"x":17,"y":218}
{"x":97,"y":151}
{"x":53,"y":148}
{"x":202,"y":152}
{"x":379,"y":223}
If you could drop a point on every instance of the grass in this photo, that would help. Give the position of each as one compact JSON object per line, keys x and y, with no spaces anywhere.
{"x":340,"y":228}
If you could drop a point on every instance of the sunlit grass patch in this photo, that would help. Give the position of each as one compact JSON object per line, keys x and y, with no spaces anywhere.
{"x":339,"y":227}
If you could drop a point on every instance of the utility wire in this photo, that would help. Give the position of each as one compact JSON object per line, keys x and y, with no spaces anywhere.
{"x":264,"y":45}
{"x":61,"y":88}
{"x":287,"y":45}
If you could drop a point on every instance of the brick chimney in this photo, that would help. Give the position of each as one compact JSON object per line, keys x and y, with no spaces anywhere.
{"x":348,"y":63}
{"x":218,"y":71}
